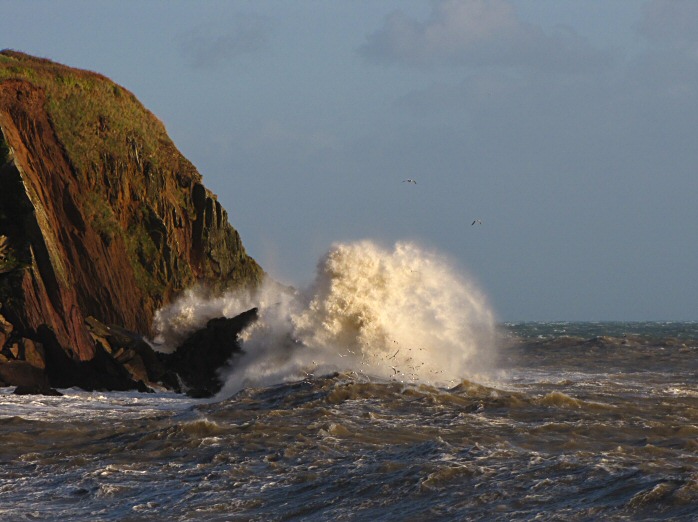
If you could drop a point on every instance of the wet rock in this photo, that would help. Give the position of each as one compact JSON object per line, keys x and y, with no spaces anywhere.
{"x":198,"y":360}
{"x":37,"y":390}
{"x":136,"y":368}
{"x":102,"y":372}
{"x":131,"y":351}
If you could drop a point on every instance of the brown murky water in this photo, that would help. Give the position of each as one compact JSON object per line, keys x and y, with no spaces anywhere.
{"x":582,"y":422}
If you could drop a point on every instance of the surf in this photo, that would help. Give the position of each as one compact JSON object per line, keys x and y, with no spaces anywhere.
{"x":394,"y":314}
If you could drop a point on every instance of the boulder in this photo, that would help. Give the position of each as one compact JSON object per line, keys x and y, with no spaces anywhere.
{"x":199,"y":359}
{"x":37,"y":390}
{"x":21,"y":373}
{"x":131,"y":351}
{"x":102,"y":372}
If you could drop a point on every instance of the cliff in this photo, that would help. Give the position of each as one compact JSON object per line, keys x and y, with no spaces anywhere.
{"x":100,"y":216}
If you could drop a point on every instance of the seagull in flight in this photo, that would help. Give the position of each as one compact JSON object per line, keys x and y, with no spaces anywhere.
{"x":478,"y":221}
{"x":409,"y":181}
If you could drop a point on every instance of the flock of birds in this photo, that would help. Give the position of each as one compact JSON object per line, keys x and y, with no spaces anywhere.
{"x":414,"y":182}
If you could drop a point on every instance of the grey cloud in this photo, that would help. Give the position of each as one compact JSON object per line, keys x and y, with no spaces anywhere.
{"x":671,"y":22}
{"x":213,"y":45}
{"x":478,"y":33}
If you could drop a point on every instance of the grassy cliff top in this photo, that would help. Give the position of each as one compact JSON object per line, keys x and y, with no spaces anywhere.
{"x":93,"y":116}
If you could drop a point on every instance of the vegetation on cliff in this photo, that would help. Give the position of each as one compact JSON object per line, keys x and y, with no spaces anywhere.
{"x":100,"y":215}
{"x":92,"y":115}
{"x":118,"y":148}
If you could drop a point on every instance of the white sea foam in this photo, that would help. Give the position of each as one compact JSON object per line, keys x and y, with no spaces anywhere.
{"x":80,"y":405}
{"x":403,"y":314}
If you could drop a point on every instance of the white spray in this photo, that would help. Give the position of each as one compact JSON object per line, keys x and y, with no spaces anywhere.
{"x":401,"y":315}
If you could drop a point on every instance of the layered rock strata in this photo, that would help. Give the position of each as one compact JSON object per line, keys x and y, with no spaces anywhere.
{"x":100,"y":216}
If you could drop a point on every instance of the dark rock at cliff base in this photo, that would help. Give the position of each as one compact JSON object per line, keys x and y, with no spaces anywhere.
{"x":198,"y":360}
{"x":21,"y":373}
{"x":103,"y":372}
{"x":131,"y":351}
{"x":37,"y":390}
{"x":101,"y":216}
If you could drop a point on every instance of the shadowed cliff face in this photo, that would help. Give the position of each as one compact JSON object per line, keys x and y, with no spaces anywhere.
{"x":100,"y":215}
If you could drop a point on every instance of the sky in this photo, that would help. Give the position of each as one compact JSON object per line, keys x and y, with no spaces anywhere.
{"x":568,"y":127}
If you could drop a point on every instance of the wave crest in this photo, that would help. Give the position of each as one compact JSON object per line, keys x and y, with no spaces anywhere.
{"x":402,"y":314}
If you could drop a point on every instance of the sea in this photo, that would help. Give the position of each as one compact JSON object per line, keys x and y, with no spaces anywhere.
{"x":386,"y":390}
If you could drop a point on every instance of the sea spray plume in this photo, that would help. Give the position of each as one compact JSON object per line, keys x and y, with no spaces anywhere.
{"x":175,"y":322}
{"x":405,"y":314}
{"x":402,"y":315}
{"x":195,"y":307}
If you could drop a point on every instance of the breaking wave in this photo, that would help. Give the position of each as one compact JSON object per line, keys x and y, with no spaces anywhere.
{"x":403,"y":314}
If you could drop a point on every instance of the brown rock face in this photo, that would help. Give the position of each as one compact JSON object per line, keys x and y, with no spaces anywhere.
{"x":100,"y":215}
{"x":37,"y":193}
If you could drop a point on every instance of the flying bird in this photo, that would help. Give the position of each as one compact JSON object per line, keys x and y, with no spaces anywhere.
{"x":478,"y":221}
{"x":409,"y":181}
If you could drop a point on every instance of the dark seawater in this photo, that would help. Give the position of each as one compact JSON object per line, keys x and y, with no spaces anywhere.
{"x":582,"y":421}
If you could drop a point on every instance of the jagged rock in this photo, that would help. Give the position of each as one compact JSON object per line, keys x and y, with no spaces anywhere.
{"x":131,"y":351}
{"x":101,"y":340}
{"x":136,"y":368}
{"x":100,"y":216}
{"x":33,"y":353}
{"x":198,"y":360}
{"x":102,"y":372}
{"x":5,"y":331}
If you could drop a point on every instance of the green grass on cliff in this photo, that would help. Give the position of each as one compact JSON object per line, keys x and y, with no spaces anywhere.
{"x":91,"y":115}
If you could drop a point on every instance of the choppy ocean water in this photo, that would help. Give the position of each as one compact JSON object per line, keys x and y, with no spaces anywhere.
{"x":577,"y":421}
